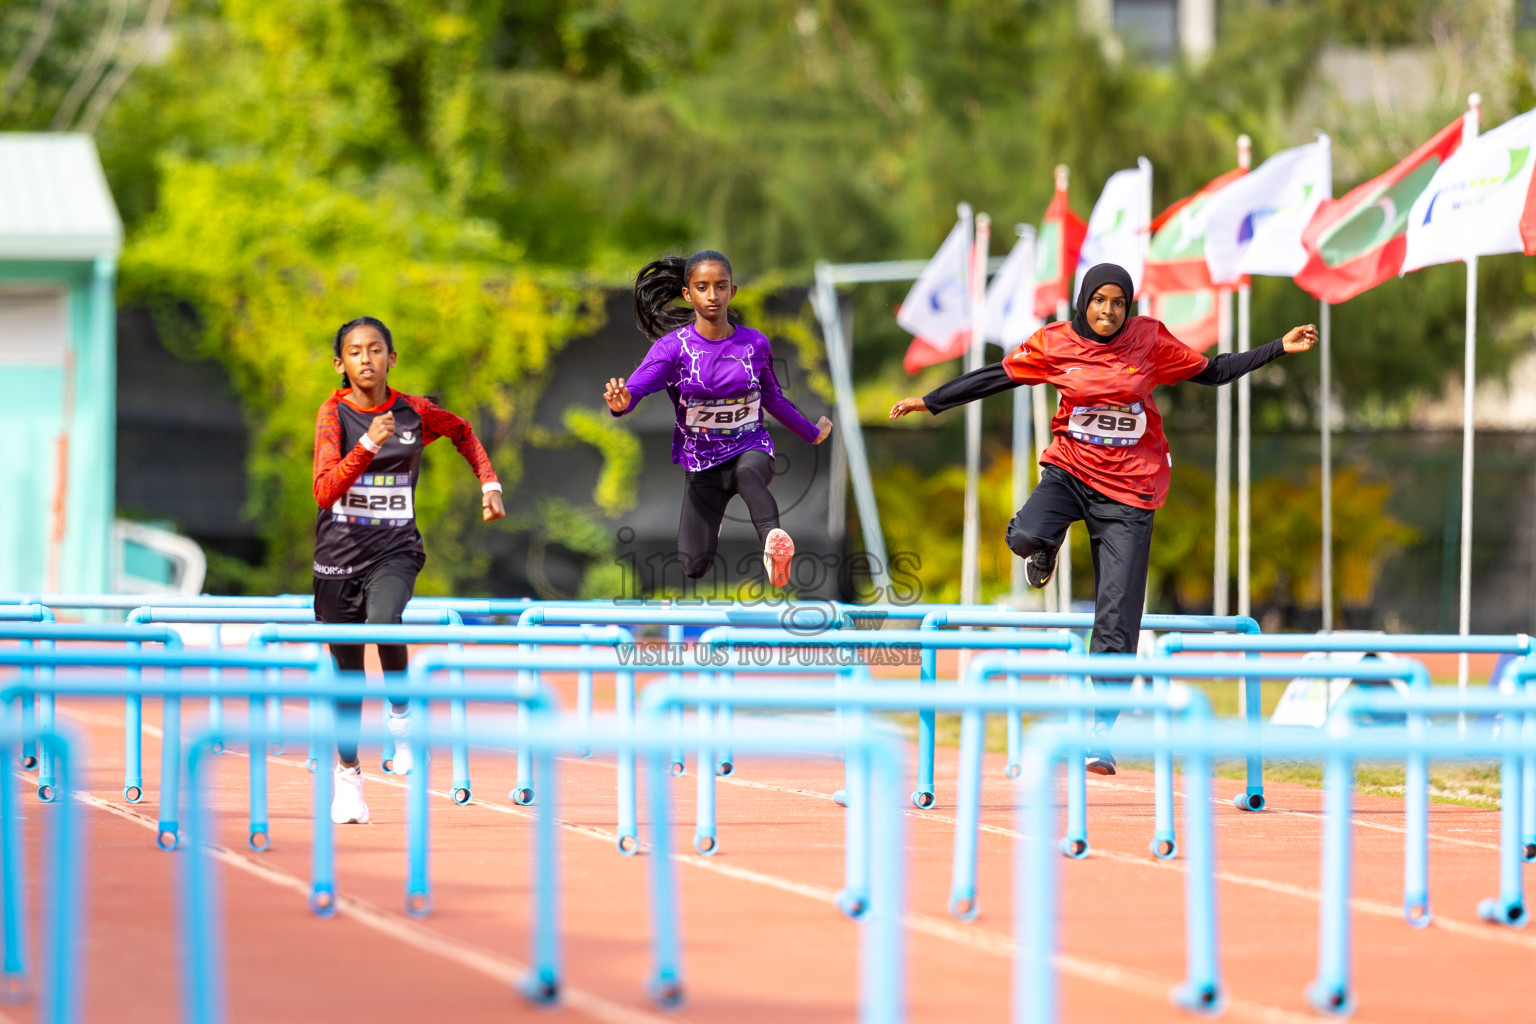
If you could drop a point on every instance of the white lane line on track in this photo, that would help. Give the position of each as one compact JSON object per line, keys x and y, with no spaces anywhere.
{"x":497,"y":968}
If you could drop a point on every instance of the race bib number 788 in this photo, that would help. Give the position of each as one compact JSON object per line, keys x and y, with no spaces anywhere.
{"x":724,"y":417}
{"x":1114,"y":425}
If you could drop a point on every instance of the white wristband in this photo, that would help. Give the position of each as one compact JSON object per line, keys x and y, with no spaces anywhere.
{"x":367,"y":442}
{"x":488,"y":488}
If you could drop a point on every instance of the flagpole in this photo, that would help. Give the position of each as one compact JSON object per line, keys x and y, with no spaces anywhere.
{"x":1324,"y":327}
{"x":970,"y":575}
{"x":1469,"y":129}
{"x":1223,"y":562}
{"x":1022,"y":441}
{"x":1244,"y":425}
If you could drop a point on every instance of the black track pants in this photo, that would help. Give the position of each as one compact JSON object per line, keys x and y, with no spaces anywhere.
{"x":378,"y":597}
{"x":1121,"y":538}
{"x":705,"y":496}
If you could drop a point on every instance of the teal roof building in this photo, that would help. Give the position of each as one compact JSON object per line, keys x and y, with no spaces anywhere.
{"x":60,"y":237}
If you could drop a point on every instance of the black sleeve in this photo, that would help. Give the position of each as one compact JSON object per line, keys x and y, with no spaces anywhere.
{"x":968,"y":387}
{"x":1226,"y":368}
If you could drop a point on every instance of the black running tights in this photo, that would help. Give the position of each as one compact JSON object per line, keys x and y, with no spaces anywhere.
{"x":705,"y":496}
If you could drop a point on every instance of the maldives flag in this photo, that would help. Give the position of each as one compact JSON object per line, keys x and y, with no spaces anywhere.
{"x":1176,"y":258}
{"x":1056,"y":248}
{"x":1355,"y":243}
{"x":1191,"y":316}
{"x":1177,"y":278}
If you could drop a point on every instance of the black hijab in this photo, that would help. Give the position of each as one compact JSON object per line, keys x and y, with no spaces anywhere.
{"x":1099,"y":275}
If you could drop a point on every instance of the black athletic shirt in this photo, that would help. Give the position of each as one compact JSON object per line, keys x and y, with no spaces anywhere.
{"x":367,"y":495}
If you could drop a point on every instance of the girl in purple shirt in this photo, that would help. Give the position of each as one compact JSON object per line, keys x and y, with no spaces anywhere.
{"x":719,"y":375}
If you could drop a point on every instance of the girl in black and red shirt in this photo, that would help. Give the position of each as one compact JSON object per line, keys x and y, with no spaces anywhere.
{"x":1108,"y":462}
{"x":368,"y":551}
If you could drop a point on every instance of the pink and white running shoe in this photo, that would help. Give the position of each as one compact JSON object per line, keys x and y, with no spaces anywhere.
{"x":778,"y":552}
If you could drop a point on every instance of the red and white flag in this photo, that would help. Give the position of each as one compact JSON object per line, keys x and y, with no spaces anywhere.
{"x":937,"y":311}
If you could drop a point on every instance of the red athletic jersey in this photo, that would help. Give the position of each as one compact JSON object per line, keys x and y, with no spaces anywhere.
{"x":1107,"y":431}
{"x":367,"y":499}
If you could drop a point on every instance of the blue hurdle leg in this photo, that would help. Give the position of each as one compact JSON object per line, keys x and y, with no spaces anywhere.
{"x":418,"y":894}
{"x":29,"y":747}
{"x":1075,"y":843}
{"x":216,"y":677}
{"x":133,"y":749}
{"x":629,"y":837}
{"x":1330,"y":993}
{"x":1034,"y":893}
{"x":47,"y":785}
{"x":1164,"y":843}
{"x":675,"y":677}
{"x":63,"y":994}
{"x":275,"y":714}
{"x":542,"y":984}
{"x":725,"y":720}
{"x":13,"y":936}
{"x":666,"y":985}
{"x":1528,"y":789}
{"x":259,"y":838}
{"x":1253,"y":708}
{"x":1201,"y":990}
{"x":201,"y":932}
{"x":322,"y":849}
{"x":855,"y":896}
{"x":1509,"y":907}
{"x":584,"y":702}
{"x":962,"y":889}
{"x":1015,"y":722}
{"x":170,"y":767}
{"x":522,"y":792}
{"x":1416,"y":820}
{"x":704,"y":830}
{"x":923,"y":795}
{"x":458,"y":723}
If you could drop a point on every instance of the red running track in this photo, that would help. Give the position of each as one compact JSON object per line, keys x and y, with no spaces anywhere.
{"x":763,"y":941}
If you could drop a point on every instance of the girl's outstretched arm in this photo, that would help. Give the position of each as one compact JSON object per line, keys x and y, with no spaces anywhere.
{"x":783,"y":410}
{"x":1231,"y":365}
{"x":623,"y":394}
{"x":438,"y":422}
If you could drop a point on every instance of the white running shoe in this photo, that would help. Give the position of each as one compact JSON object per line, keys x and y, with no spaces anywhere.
{"x":347,"y":804}
{"x":778,"y":551}
{"x":400,"y":729}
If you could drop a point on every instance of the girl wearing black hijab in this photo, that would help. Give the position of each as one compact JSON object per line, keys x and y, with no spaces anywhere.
{"x":1108,"y":463}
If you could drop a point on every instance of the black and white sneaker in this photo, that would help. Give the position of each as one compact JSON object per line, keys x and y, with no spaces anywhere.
{"x":1039,"y":568}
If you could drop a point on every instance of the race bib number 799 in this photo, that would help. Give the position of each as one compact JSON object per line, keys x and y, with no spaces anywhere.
{"x":1114,"y":425}
{"x":378,"y":499}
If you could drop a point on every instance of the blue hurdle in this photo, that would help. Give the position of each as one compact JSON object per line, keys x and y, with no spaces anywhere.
{"x":218,"y":616}
{"x":881,"y":963}
{"x":1253,"y":800}
{"x":48,"y":633}
{"x":64,"y":868}
{"x":925,"y":642}
{"x":454,"y":637}
{"x":26,"y":613}
{"x":1164,"y":843}
{"x":172,"y":692}
{"x":1330,"y":992}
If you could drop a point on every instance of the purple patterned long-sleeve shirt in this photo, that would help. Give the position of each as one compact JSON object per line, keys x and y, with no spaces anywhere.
{"x":719,"y":390}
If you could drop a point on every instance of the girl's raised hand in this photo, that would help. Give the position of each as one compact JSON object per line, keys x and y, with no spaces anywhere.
{"x":823,"y":428}
{"x":908,"y":405}
{"x":616,"y":394}
{"x":491,"y":507}
{"x":1299,"y":339}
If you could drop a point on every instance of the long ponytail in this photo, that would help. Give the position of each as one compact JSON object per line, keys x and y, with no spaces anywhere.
{"x":660,"y":284}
